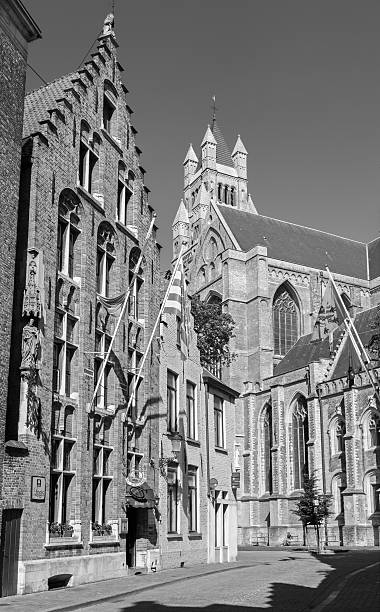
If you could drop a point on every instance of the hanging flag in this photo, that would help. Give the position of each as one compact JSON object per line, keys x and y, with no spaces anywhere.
{"x":177,"y":303}
{"x":113,"y":305}
{"x":330,"y":316}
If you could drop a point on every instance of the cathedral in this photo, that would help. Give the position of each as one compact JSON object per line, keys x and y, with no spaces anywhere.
{"x":306,"y":403}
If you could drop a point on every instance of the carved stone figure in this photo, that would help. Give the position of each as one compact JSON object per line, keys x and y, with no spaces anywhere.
{"x":32,"y":301}
{"x":108,"y":24}
{"x":30,"y":343}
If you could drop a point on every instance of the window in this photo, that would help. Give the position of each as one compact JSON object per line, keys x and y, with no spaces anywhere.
{"x":136,"y":309}
{"x":64,"y":350}
{"x":192,"y":487}
{"x":62,"y":464}
{"x":102,"y":344}
{"x":104,"y":263}
{"x":219,"y":421}
{"x":88,"y":159}
{"x":300,"y":436}
{"x":102,"y":472}
{"x":374,"y":430}
{"x":67,"y":233}
{"x":191,"y":411}
{"x":124,"y":194}
{"x":172,"y":411}
{"x":268,"y":449}
{"x":109,"y":108}
{"x":172,"y":499}
{"x":285,"y":321}
{"x":233,"y":196}
{"x":105,"y":259}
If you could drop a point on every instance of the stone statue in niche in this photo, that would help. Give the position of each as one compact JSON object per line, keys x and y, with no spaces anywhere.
{"x":32,"y":299}
{"x":108,"y":24}
{"x":30,"y":345}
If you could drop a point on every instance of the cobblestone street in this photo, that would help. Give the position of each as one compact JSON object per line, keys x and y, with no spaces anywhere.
{"x":269,"y":579}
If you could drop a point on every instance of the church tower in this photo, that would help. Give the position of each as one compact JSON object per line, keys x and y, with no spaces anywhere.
{"x":218,"y":177}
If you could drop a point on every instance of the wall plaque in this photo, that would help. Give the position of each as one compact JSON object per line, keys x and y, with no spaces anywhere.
{"x":38,"y":488}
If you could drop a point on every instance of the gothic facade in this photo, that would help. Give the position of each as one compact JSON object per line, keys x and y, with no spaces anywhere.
{"x":84,"y":215}
{"x":270,"y":275}
{"x":17,"y":29}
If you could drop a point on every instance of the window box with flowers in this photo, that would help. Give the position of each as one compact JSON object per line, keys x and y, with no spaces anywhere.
{"x":101,"y":534}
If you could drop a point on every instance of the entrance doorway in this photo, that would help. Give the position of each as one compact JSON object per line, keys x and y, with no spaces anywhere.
{"x":10,"y":540}
{"x":131,"y":537}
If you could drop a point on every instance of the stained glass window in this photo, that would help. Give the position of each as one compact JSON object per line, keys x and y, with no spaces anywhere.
{"x":285,"y":321}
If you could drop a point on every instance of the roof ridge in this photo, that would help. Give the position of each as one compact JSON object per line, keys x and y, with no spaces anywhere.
{"x":295,"y":224}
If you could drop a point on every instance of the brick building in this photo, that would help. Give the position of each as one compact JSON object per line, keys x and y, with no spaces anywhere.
{"x":198,"y":522}
{"x":84,"y":215}
{"x":17,"y":28}
{"x":270,"y":276}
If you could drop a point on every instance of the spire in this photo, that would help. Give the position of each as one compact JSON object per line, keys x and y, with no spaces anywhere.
{"x":223,"y":154}
{"x":208,"y":137}
{"x":190,"y":155}
{"x":182,"y":215}
{"x":239,"y":147}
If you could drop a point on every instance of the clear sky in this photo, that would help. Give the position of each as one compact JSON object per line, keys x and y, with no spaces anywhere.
{"x":299,"y":80}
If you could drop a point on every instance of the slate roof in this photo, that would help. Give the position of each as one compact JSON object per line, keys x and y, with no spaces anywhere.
{"x":223,"y":153}
{"x":39,"y":101}
{"x":297,"y":244}
{"x":365,"y":324}
{"x":374,"y":258}
{"x":304,"y":351}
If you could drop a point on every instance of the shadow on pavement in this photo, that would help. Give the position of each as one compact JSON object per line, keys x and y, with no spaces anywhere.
{"x":334,"y":570}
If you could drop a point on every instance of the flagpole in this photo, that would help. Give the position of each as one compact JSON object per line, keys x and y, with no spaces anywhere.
{"x":355,"y":341}
{"x":128,"y":292}
{"x":137,"y":375}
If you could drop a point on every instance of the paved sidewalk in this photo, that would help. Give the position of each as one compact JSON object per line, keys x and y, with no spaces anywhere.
{"x":349,"y":584}
{"x":67,"y":599}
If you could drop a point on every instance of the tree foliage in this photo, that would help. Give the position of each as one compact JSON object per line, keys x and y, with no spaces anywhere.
{"x":214,"y":329}
{"x":313,"y":506}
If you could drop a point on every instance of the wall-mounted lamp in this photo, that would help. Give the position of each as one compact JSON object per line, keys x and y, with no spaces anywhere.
{"x":176,"y":440}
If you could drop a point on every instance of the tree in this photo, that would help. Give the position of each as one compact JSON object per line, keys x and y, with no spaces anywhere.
{"x":313,"y":507}
{"x":214,"y":329}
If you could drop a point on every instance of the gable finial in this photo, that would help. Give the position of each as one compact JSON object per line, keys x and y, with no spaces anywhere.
{"x":214,"y":109}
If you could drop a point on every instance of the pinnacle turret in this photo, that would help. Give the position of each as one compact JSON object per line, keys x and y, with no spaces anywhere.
{"x":239,"y":147}
{"x":190,"y":155}
{"x":208,"y":137}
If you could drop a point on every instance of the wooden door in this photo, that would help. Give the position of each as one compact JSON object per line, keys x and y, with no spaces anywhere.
{"x":10,"y":540}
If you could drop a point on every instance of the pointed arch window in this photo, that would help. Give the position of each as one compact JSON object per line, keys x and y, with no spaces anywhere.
{"x":268,"y":442}
{"x":300,"y":436}
{"x":285,"y":321}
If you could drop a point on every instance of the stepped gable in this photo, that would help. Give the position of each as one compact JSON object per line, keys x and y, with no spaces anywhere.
{"x":39,"y":101}
{"x":223,"y":154}
{"x":374,"y":258}
{"x":304,"y":352}
{"x":365,"y":325}
{"x":297,"y":244}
